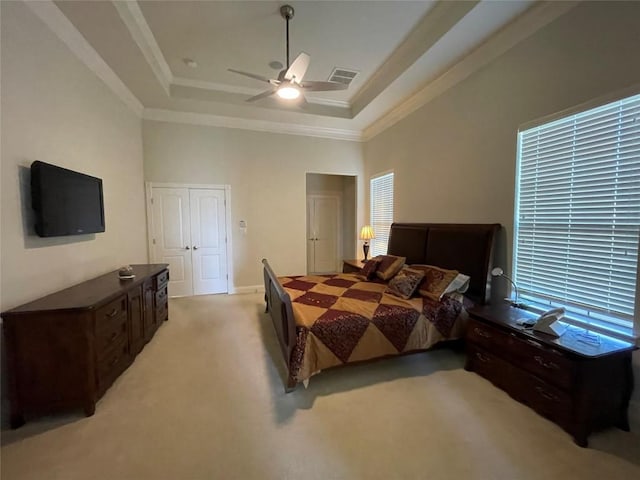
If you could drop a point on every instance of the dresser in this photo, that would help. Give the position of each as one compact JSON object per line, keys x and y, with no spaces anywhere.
{"x":66,"y":349}
{"x":579,"y":384}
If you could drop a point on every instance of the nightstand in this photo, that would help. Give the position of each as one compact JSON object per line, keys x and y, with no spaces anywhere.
{"x":581,"y":386}
{"x":351,"y":266}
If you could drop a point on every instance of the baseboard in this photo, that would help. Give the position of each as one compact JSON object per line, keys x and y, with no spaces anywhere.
{"x":248,"y":289}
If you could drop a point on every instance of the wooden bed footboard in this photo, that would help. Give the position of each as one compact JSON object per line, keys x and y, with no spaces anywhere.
{"x":279,"y":308}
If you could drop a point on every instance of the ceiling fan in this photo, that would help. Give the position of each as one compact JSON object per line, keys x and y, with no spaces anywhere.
{"x":289,"y":84}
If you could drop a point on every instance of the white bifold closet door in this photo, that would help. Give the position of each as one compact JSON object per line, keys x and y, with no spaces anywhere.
{"x":190,"y":235}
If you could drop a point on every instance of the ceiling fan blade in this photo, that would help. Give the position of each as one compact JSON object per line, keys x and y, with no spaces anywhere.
{"x":323,"y":86}
{"x":264,"y":94}
{"x":298,"y":68}
{"x":250,"y":75}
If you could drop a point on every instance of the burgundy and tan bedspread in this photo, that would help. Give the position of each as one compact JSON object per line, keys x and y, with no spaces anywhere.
{"x":341,"y":319}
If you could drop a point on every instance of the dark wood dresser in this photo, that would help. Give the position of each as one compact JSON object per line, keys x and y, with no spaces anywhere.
{"x":66,"y":349}
{"x":582,"y":386}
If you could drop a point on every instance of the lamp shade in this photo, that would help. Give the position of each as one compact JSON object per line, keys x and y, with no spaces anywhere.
{"x":366,"y":233}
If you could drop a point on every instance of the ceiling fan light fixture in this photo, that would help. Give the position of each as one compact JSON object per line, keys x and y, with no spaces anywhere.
{"x":288,"y":92}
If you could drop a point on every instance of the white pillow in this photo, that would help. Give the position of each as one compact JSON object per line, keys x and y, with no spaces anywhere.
{"x":459,"y":284}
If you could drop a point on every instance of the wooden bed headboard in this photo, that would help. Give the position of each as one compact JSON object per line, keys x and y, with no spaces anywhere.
{"x":465,"y":247}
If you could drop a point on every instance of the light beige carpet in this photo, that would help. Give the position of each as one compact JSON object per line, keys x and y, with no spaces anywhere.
{"x":205,"y":400}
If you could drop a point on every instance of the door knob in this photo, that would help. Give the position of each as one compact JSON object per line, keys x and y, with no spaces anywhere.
{"x":186,"y":248}
{"x":195,"y":248}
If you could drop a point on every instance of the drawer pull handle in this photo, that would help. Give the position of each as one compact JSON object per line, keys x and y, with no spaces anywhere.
{"x":534,"y":343}
{"x":549,"y":365}
{"x":482,"y":333}
{"x":547,"y":395}
{"x":113,"y":336}
{"x":481,"y":357}
{"x":114,"y":361}
{"x":113,"y":313}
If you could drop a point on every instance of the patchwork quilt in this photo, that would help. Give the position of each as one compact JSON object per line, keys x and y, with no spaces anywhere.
{"x":342,"y":319}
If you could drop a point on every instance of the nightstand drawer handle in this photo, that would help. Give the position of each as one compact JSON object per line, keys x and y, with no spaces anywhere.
{"x":549,"y":365}
{"x":547,"y":395}
{"x":112,"y":313}
{"x":481,"y":357}
{"x":482,"y":333}
{"x":534,"y":343}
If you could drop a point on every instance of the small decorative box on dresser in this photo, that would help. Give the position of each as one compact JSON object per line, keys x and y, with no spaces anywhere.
{"x":580,"y":385}
{"x":351,"y":266}
{"x":66,"y":349}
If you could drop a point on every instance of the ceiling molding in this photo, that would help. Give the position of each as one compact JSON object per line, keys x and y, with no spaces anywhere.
{"x":524,"y":26}
{"x":431,"y":28}
{"x":251,"y":124}
{"x":137,"y":25}
{"x":60,"y":25}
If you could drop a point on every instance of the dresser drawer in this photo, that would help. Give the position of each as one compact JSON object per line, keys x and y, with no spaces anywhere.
{"x":489,"y":366}
{"x":115,"y":361}
{"x":162,"y":312}
{"x":114,"y":332}
{"x":486,"y":336}
{"x":161,"y":295}
{"x":547,"y":363}
{"x":546,"y":399}
{"x":161,"y":279}
{"x":109,"y":313}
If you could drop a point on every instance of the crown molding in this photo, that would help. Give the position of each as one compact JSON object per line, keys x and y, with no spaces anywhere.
{"x":190,"y":118}
{"x":524,"y":26}
{"x":137,"y":25}
{"x":60,"y":25}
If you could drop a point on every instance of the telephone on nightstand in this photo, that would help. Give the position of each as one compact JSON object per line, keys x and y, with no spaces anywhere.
{"x":548,"y":322}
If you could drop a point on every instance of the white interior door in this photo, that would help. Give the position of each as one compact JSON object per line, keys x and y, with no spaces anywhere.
{"x":208,"y":241}
{"x":323,"y":233}
{"x":172,"y":237}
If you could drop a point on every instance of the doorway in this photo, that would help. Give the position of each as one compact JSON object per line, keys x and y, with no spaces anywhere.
{"x":331,"y":221}
{"x":188,"y":231}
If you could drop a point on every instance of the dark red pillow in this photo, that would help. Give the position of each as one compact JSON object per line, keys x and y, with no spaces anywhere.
{"x":368,"y":271}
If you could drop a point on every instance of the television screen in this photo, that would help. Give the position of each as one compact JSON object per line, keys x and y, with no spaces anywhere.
{"x":65,"y":202}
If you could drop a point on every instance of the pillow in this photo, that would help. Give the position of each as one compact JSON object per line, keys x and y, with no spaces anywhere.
{"x":389,"y":266}
{"x":436,"y":280}
{"x":459,"y":284}
{"x":404,"y":284}
{"x":368,"y":271}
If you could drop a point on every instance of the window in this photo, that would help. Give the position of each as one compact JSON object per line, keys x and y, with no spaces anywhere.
{"x":381,"y":212}
{"x":577,"y":214}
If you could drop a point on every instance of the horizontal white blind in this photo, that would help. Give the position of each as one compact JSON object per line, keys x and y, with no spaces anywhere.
{"x":381,"y":212}
{"x":578,"y":212}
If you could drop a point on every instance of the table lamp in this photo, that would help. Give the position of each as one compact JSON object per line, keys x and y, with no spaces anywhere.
{"x":366,"y":234}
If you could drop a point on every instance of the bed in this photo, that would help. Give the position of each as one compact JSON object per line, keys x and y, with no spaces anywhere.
{"x":325,"y":321}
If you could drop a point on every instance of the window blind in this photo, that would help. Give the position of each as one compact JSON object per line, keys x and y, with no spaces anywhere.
{"x":381,"y":203}
{"x":578,"y":213}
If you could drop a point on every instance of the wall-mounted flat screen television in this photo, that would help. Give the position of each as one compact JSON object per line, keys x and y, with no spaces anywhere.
{"x":65,"y":202}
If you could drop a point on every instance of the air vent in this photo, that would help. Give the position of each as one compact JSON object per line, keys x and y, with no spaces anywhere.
{"x":342,"y":75}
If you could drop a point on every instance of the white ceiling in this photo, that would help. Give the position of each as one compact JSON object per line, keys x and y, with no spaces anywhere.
{"x":405,"y":52}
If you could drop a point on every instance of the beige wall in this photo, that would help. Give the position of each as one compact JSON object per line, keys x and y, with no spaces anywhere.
{"x":267,"y":174}
{"x":454,"y":159}
{"x":55,"y":110}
